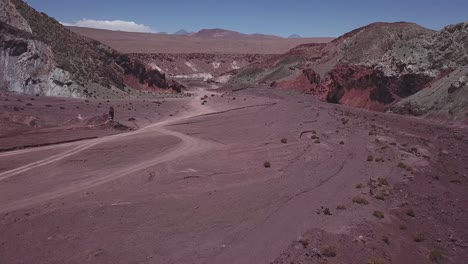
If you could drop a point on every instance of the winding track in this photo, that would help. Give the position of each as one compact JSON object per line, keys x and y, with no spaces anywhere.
{"x":188,"y":146}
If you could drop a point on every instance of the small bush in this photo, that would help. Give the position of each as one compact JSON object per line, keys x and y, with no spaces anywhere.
{"x":329,"y":251}
{"x":379,"y":214}
{"x":419,"y":237}
{"x":284,"y":140}
{"x":370,"y":158}
{"x":317,"y":141}
{"x":327,"y":211}
{"x":403,"y":227}
{"x":360,"y":200}
{"x":410,"y":213}
{"x":359,"y":186}
{"x":267,"y":164}
{"x":342,"y":142}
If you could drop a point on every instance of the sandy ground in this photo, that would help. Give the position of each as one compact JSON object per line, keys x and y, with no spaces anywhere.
{"x":190,"y":186}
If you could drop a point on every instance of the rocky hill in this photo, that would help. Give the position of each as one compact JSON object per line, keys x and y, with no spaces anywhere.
{"x":373,"y":67}
{"x":40,"y":56}
{"x":446,"y":96}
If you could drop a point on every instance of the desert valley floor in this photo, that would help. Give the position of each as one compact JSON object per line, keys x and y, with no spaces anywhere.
{"x":227,"y":176}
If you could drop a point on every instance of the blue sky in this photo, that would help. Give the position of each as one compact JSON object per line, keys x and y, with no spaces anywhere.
{"x":285,"y":17}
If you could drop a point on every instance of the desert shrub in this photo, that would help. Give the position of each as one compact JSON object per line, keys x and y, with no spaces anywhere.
{"x":370,"y":158}
{"x":379,"y":214}
{"x":360,"y":200}
{"x":328,"y":251}
{"x":284,"y":140}
{"x":327,"y":211}
{"x":359,"y":186}
{"x":267,"y":164}
{"x":341,"y":142}
{"x":341,"y":207}
{"x":419,"y":237}
{"x":410,"y":212}
{"x":403,"y":227}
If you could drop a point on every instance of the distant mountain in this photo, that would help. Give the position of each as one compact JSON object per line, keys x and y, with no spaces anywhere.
{"x":182,"y":32}
{"x":215,"y":41}
{"x":295,"y":36}
{"x":217,"y":33}
{"x":220,"y":33}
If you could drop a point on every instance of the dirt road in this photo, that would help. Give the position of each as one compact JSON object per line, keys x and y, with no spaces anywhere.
{"x":186,"y":146}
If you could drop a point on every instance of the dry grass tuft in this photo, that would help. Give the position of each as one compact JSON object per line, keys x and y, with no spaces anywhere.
{"x":360,"y":200}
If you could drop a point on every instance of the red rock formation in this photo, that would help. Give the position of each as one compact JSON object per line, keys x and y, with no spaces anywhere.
{"x":357,"y":86}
